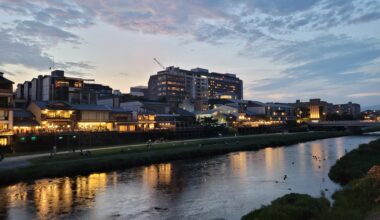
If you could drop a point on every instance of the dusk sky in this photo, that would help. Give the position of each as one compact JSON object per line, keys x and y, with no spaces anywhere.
{"x":283,"y":50}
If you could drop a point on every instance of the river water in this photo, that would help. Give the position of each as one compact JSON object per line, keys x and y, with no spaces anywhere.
{"x":219,"y":187}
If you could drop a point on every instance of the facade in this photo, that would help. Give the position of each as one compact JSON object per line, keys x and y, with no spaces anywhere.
{"x":58,"y":87}
{"x":6,"y":111}
{"x":124,"y":120}
{"x":174,"y":85}
{"x":53,"y":116}
{"x":313,"y":110}
{"x":280,"y":112}
{"x":352,"y":110}
{"x":93,"y":118}
{"x":318,"y":110}
{"x":24,"y":122}
{"x":140,"y":91}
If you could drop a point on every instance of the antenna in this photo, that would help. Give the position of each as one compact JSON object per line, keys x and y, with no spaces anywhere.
{"x":158,"y":62}
{"x":53,"y":63}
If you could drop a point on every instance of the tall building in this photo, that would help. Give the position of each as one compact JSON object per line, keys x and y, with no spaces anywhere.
{"x":6,"y":111}
{"x":176,"y":85}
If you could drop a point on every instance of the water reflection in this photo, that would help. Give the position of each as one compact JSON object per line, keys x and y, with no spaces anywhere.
{"x":155,"y":175}
{"x":225,"y":186}
{"x":340,"y":149}
{"x":274,"y":157}
{"x":239,"y":164}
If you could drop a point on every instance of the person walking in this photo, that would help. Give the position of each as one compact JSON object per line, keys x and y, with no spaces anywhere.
{"x":54,"y":150}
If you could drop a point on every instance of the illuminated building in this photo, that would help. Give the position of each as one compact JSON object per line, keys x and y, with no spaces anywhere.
{"x":93,"y":118}
{"x":223,"y":114}
{"x":371,"y":115}
{"x":24,"y":122}
{"x":58,"y":87}
{"x":280,"y":112}
{"x":6,"y":111}
{"x":53,"y":116}
{"x":146,"y":121}
{"x":167,"y":116}
{"x":123,"y":120}
{"x":313,"y":110}
{"x":175,"y":85}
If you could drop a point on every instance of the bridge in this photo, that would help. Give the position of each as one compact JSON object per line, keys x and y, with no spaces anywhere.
{"x":359,"y":124}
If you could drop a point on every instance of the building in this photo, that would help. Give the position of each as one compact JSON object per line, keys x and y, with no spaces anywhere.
{"x":371,"y":115}
{"x":141,"y":91}
{"x":92,"y":117}
{"x":348,"y":111}
{"x":53,"y":116}
{"x":174,"y":85}
{"x":318,"y":110}
{"x":313,"y":110}
{"x":280,"y":112}
{"x":24,"y":122}
{"x":58,"y":87}
{"x":124,"y":120}
{"x":92,"y":92}
{"x":6,"y":111}
{"x":159,"y":115}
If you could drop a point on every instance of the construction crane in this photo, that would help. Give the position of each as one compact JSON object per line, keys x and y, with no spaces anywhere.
{"x":158,"y":62}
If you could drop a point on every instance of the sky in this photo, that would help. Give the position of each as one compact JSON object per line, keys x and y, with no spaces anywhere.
{"x":283,"y":50}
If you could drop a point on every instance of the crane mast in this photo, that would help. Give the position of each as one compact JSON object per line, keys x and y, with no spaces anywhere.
{"x":158,"y":62}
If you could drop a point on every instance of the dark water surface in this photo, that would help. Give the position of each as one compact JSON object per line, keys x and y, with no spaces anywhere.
{"x":220,"y":187}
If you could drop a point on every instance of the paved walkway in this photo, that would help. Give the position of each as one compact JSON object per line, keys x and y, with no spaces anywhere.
{"x":22,"y":161}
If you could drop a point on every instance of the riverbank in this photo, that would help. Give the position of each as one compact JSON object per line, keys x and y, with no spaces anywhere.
{"x":355,"y":164}
{"x":358,"y":199}
{"x":70,"y":164}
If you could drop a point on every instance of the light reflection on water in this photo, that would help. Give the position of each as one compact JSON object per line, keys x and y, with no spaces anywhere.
{"x":225,"y":186}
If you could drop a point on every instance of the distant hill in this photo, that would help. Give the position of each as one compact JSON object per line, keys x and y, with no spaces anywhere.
{"x":372,"y":107}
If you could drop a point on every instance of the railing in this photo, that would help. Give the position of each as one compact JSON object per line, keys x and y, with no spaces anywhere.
{"x":347,"y":123}
{"x":5,"y":91}
{"x":5,"y":105}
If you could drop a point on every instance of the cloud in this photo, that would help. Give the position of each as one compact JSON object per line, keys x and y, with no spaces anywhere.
{"x":7,"y":72}
{"x":43,"y":33}
{"x":14,"y":51}
{"x":280,"y":7}
{"x":272,"y":30}
{"x":81,"y":65}
{"x":364,"y":94}
{"x":326,"y":66}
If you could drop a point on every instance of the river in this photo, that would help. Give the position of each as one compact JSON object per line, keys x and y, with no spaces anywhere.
{"x":219,"y":187}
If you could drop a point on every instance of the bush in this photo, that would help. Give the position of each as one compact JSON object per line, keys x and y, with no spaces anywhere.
{"x":291,"y":207}
{"x":356,"y":163}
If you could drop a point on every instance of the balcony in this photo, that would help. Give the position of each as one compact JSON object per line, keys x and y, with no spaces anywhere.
{"x":6,"y":91}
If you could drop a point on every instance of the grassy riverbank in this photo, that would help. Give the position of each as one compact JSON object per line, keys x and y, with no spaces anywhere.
{"x":355,"y":164}
{"x":359,"y":199}
{"x":120,"y":158}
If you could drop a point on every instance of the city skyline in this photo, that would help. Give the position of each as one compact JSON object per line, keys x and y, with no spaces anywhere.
{"x":280,"y":55}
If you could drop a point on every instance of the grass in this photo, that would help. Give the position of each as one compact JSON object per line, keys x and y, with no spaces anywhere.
{"x":356,"y":200}
{"x":291,"y":207}
{"x":115,"y":159}
{"x":356,"y":163}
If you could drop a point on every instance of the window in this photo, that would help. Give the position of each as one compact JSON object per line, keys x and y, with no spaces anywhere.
{"x":3,"y":141}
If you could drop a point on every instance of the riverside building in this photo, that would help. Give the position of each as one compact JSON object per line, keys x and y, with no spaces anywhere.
{"x":6,"y":111}
{"x":175,"y":85}
{"x":58,"y":87}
